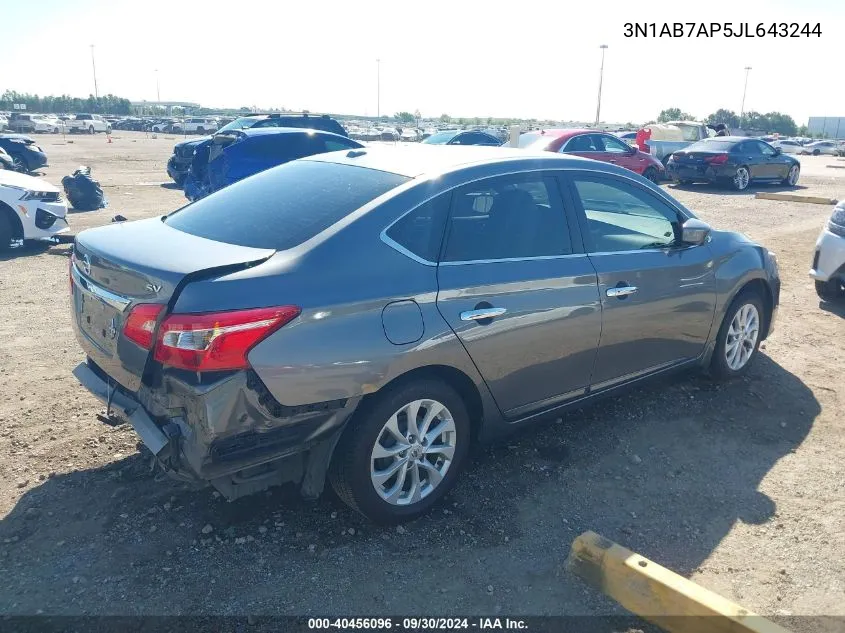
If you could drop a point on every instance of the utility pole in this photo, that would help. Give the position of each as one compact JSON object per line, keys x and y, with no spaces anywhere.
{"x":744,"y":90}
{"x":94,"y":66}
{"x":378,"y":88}
{"x":158,"y":90}
{"x":603,"y":48}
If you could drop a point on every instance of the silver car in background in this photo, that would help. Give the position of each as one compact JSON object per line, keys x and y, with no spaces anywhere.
{"x":370,"y":314}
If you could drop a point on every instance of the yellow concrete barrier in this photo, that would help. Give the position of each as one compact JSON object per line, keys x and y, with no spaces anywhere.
{"x":835,"y":166}
{"x":657,"y":594}
{"x":794,"y":197}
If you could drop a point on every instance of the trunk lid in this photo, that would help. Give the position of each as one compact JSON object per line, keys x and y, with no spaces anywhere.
{"x":116,"y":267}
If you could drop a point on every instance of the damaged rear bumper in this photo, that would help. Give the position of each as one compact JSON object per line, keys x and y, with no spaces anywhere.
{"x":231,"y":433}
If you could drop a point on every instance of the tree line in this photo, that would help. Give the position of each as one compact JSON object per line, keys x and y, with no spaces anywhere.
{"x":770,"y":123}
{"x":105,"y":104}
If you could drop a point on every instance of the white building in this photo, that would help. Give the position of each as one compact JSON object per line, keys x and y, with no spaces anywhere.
{"x":827,"y":126}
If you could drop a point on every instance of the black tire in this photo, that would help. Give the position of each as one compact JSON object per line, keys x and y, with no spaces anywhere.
{"x":6,"y":232}
{"x":349,"y":472}
{"x":652,"y":174}
{"x":719,"y":368}
{"x":786,"y":181}
{"x":831,"y":290}
{"x":91,"y":129}
{"x":816,"y":152}
{"x":739,"y":183}
{"x":200,"y":130}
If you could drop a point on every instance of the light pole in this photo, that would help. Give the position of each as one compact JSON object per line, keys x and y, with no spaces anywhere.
{"x":378,"y":89}
{"x":158,"y":90}
{"x":94,"y":67}
{"x":744,"y":90}
{"x":603,"y":48}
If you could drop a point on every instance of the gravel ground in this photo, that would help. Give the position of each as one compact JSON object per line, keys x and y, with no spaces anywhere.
{"x":736,"y":486}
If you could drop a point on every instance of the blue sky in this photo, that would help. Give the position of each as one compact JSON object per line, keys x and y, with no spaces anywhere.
{"x":468,"y":58}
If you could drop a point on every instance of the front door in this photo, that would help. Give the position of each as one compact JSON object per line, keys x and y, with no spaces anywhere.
{"x":515,"y":289}
{"x":620,"y":153}
{"x":777,"y":165}
{"x":658,"y":296}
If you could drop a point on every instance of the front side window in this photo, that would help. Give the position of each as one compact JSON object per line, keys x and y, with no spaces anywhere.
{"x":765,"y":149}
{"x":508,"y":217}
{"x":615,"y":146}
{"x":336,"y":145}
{"x":622,"y":217}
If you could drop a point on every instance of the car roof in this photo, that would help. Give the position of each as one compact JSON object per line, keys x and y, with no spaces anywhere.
{"x":264,"y":131}
{"x":414,"y":160}
{"x":564,"y":132}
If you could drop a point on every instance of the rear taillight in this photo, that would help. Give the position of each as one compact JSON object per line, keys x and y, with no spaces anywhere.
{"x":141,"y":324}
{"x":217,"y":341}
{"x":718,"y":159}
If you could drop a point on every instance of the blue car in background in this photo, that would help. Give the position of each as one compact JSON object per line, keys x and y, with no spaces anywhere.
{"x":237,"y":154}
{"x":182,"y":161}
{"x":26,"y":155}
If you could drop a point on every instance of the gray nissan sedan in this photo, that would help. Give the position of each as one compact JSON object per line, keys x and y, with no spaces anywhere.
{"x":367,"y":315}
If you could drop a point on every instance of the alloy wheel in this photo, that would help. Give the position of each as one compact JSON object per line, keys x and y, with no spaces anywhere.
{"x":413,"y":452}
{"x":19,"y":164}
{"x":741,"y":178}
{"x":742,"y":337}
{"x":792,"y":179}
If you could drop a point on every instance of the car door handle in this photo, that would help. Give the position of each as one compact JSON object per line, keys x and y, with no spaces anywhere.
{"x":481,"y":315}
{"x":622,"y":291}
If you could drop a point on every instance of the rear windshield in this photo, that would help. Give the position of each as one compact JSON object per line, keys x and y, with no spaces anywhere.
{"x":711,"y":146}
{"x":282,"y":207}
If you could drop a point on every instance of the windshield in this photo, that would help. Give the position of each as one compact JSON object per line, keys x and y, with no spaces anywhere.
{"x":441,"y":138}
{"x":241,"y":123}
{"x":284,"y":206}
{"x":533,"y":140}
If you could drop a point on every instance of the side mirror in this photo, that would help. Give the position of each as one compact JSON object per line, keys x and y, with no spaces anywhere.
{"x":778,"y":150}
{"x":695,"y":232}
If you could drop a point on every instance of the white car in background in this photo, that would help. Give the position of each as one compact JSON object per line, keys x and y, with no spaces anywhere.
{"x":88,"y":124}
{"x":788,"y":146}
{"x":821,"y":147}
{"x":30,"y":209}
{"x":199,"y":125}
{"x":828,"y":269}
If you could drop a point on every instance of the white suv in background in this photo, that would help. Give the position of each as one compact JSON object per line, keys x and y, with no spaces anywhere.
{"x":199,"y":125}
{"x":30,"y":208}
{"x":88,"y":124}
{"x":829,"y":260}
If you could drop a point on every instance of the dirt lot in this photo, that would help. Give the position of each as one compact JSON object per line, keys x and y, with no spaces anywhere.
{"x":739,"y":487}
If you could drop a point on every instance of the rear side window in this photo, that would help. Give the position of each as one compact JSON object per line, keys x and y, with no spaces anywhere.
{"x":507,"y":217}
{"x":282,"y":207}
{"x":421,"y":231}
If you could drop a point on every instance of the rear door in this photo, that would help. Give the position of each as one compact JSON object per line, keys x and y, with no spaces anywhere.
{"x":658,"y":296}
{"x":517,"y":289}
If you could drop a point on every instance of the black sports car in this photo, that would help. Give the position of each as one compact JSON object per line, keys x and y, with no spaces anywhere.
{"x":733,"y":160}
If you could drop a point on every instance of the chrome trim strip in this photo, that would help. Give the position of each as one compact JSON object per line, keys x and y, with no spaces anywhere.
{"x":116,"y":301}
{"x":512,"y":259}
{"x":542,"y":405}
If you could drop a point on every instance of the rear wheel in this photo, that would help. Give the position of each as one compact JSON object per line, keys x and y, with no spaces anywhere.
{"x":739,"y":336}
{"x":200,"y":130}
{"x":816,"y":152}
{"x":90,"y":129}
{"x":831,"y":290}
{"x":403,"y":452}
{"x":742,"y":178}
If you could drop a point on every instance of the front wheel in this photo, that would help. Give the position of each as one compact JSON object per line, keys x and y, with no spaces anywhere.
{"x":402,"y":452}
{"x":652,"y":174}
{"x":816,"y":152}
{"x":739,"y":337}
{"x":20,"y":164}
{"x":90,"y":129}
{"x":831,"y":290}
{"x":792,"y":176}
{"x":741,"y":179}
{"x":6,"y":232}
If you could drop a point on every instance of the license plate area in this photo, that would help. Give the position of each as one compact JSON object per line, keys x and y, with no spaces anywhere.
{"x":99,"y":321}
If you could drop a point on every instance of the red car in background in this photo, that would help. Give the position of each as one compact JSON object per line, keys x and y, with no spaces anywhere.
{"x":596,"y":145}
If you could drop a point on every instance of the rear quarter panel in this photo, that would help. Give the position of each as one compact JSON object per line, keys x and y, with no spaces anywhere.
{"x":337,"y":348}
